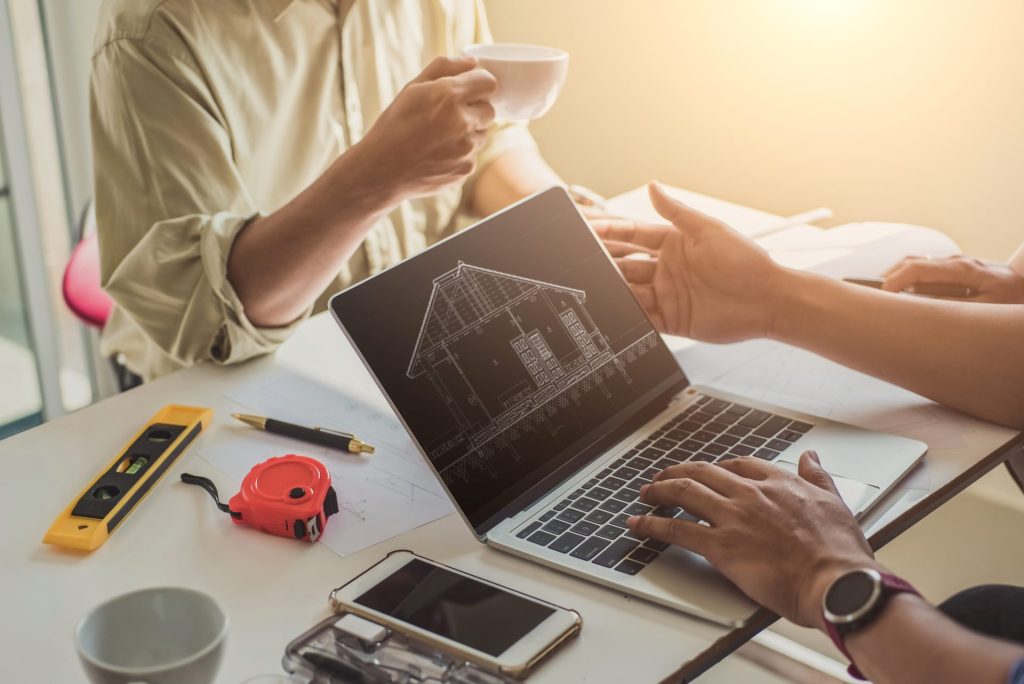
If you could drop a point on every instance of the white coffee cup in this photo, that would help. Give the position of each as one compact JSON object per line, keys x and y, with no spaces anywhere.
{"x":530,"y":77}
{"x":164,"y":635}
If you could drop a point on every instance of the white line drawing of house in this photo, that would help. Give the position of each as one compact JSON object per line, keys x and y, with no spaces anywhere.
{"x":495,"y":346}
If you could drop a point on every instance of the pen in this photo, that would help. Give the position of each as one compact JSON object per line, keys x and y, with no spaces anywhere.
{"x":923,"y":289}
{"x":317,"y":435}
{"x":804,"y":217}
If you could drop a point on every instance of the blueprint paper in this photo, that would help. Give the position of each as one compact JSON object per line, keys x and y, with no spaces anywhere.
{"x":798,"y":379}
{"x":704,"y":363}
{"x":869,"y":249}
{"x":380,"y":496}
{"x":804,"y":381}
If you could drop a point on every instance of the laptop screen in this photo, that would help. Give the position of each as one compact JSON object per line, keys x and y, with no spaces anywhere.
{"x":509,"y":350}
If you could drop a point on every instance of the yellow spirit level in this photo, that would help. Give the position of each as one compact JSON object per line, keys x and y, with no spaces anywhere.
{"x":89,"y":520}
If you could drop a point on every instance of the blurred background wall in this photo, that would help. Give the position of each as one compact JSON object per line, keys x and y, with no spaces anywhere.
{"x":901,"y":110}
{"x":896,"y":110}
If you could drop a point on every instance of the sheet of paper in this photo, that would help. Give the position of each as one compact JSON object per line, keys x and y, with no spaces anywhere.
{"x":809,"y":259}
{"x":809,"y":383}
{"x":854,"y":249}
{"x":637,"y":205}
{"x":801,"y":380}
{"x":795,"y":238}
{"x":874,"y":247}
{"x":380,"y":495}
{"x":705,"y":363}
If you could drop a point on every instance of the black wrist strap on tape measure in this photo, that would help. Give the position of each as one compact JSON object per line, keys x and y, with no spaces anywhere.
{"x":211,"y":488}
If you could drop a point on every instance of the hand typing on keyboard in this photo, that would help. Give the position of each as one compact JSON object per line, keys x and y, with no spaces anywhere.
{"x":590,"y":523}
{"x":781,"y":538}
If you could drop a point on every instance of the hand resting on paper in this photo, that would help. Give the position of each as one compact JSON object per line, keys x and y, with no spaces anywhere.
{"x":993,"y":283}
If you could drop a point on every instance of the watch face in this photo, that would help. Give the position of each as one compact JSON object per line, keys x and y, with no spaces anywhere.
{"x":850,"y":593}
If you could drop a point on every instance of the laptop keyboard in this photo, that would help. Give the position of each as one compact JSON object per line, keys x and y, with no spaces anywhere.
{"x":590,"y":523}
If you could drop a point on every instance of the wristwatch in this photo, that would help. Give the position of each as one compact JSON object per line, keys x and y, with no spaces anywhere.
{"x":854,"y":600}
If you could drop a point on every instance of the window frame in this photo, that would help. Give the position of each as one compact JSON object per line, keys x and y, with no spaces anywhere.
{"x":28,"y":245}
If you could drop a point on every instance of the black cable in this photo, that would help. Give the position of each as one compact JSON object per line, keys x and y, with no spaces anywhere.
{"x":211,"y":488}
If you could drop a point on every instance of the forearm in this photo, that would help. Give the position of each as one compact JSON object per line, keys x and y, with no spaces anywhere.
{"x":509,"y":178}
{"x":967,"y":356}
{"x":280,"y":263}
{"x":913,"y":642}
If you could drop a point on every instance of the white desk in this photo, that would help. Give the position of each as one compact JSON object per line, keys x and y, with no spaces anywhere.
{"x":274,"y":588}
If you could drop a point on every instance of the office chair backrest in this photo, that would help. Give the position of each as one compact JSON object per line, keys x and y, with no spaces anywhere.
{"x":81,"y":286}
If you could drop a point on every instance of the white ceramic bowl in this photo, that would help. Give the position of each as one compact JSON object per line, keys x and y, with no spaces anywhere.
{"x":164,"y":635}
{"x":530,"y":77}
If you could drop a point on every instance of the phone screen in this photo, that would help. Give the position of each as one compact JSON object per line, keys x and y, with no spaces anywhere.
{"x":459,"y":608}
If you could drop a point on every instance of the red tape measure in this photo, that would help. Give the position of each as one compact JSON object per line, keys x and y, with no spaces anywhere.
{"x":288,"y":496}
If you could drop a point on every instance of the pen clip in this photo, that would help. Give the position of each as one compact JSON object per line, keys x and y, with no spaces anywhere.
{"x":337,"y":433}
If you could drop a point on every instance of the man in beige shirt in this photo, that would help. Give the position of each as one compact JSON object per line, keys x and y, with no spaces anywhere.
{"x":254,"y":156}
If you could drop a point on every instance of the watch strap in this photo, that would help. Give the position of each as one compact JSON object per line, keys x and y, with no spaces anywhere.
{"x":891,"y":585}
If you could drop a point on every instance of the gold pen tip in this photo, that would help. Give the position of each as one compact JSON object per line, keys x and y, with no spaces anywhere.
{"x":358,"y":446}
{"x":258,"y":422}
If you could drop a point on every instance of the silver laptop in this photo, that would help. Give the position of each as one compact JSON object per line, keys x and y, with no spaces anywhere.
{"x":534,"y":385}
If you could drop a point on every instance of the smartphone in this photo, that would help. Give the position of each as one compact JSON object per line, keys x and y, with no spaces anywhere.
{"x":499,"y":629}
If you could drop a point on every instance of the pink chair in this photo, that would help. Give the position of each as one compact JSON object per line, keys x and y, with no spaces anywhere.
{"x":81,"y":287}
{"x":84,"y":295}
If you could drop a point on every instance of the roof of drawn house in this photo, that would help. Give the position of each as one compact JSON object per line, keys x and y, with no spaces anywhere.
{"x":466,"y":296}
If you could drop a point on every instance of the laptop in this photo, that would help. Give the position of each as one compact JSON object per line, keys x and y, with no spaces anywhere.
{"x":541,"y":396}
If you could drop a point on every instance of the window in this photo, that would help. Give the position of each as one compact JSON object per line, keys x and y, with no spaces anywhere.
{"x":22,"y":406}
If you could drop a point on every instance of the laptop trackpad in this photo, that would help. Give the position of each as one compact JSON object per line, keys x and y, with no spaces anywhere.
{"x":856,"y":495}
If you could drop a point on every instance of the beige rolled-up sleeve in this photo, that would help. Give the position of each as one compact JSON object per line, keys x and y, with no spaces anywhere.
{"x":169,"y":203}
